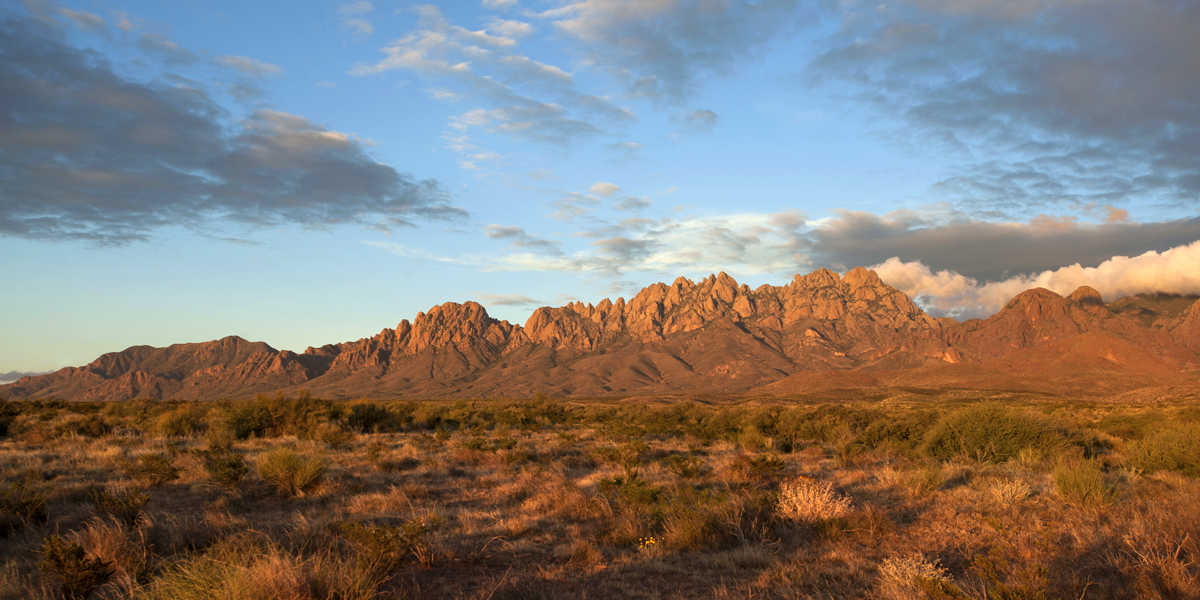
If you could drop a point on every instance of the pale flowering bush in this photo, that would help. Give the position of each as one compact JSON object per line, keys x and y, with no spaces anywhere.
{"x":809,"y":501}
{"x":914,"y":576}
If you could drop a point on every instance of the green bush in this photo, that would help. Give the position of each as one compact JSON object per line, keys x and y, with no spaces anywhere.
{"x":903,"y":434}
{"x":182,"y":421}
{"x":1083,"y":483}
{"x":243,"y":420}
{"x":993,"y":434}
{"x":1173,"y":448}
{"x":224,"y":467}
{"x":292,"y":473}
{"x":65,"y":561}
{"x":368,"y":417}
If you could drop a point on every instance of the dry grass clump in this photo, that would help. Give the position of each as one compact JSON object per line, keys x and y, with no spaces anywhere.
{"x":808,"y":501}
{"x":914,"y":577}
{"x":1011,"y":491}
{"x":1083,"y":483}
{"x":291,"y":473}
{"x":264,"y":574}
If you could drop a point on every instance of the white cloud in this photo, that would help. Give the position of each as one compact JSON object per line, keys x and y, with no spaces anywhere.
{"x":509,"y":29}
{"x":354,"y":18}
{"x":1175,"y":271}
{"x":604,"y":189}
{"x":499,"y":3}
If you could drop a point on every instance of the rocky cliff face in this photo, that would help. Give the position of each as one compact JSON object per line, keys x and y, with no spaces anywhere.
{"x":713,"y":335}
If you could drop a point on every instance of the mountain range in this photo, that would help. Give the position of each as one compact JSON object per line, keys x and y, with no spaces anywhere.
{"x":820,"y":332}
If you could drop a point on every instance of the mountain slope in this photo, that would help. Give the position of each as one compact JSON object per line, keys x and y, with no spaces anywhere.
{"x":819,"y":331}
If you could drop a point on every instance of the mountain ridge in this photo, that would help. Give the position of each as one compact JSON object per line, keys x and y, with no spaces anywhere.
{"x":710,"y":336}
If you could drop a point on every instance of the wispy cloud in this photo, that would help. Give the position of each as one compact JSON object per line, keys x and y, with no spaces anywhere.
{"x":506,"y":300}
{"x":354,"y":18}
{"x":248,"y":66}
{"x":526,"y":99}
{"x":664,"y":49}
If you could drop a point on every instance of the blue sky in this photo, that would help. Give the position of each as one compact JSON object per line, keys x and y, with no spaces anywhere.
{"x":304,"y":173}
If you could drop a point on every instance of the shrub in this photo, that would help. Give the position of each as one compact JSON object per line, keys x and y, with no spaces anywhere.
{"x":993,"y":434}
{"x":66,"y":561}
{"x":182,"y":421}
{"x":903,"y":434}
{"x":21,"y":499}
{"x":152,"y":470}
{"x":245,"y":419}
{"x":331,"y":435}
{"x":123,"y":504}
{"x":687,"y":467}
{"x":1083,"y":483}
{"x":368,"y":417}
{"x":808,"y":501}
{"x":628,"y":456}
{"x":1173,"y":448}
{"x":92,"y":426}
{"x":382,"y":548}
{"x":292,"y":473}
{"x":224,"y":467}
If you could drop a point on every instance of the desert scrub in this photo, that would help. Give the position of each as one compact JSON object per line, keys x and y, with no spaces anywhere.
{"x":994,"y":434}
{"x":78,"y":575}
{"x":123,"y":503}
{"x":1173,"y":448}
{"x":92,"y":426}
{"x":1082,"y":483}
{"x":808,"y":501}
{"x":291,"y":473}
{"x":383,"y":548}
{"x":151,"y":470}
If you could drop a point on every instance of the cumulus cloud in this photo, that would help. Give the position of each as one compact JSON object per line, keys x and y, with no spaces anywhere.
{"x":1039,"y":102}
{"x":530,"y":100}
{"x":90,"y":155}
{"x":605,"y":189}
{"x":946,"y":292}
{"x":663,"y":49}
